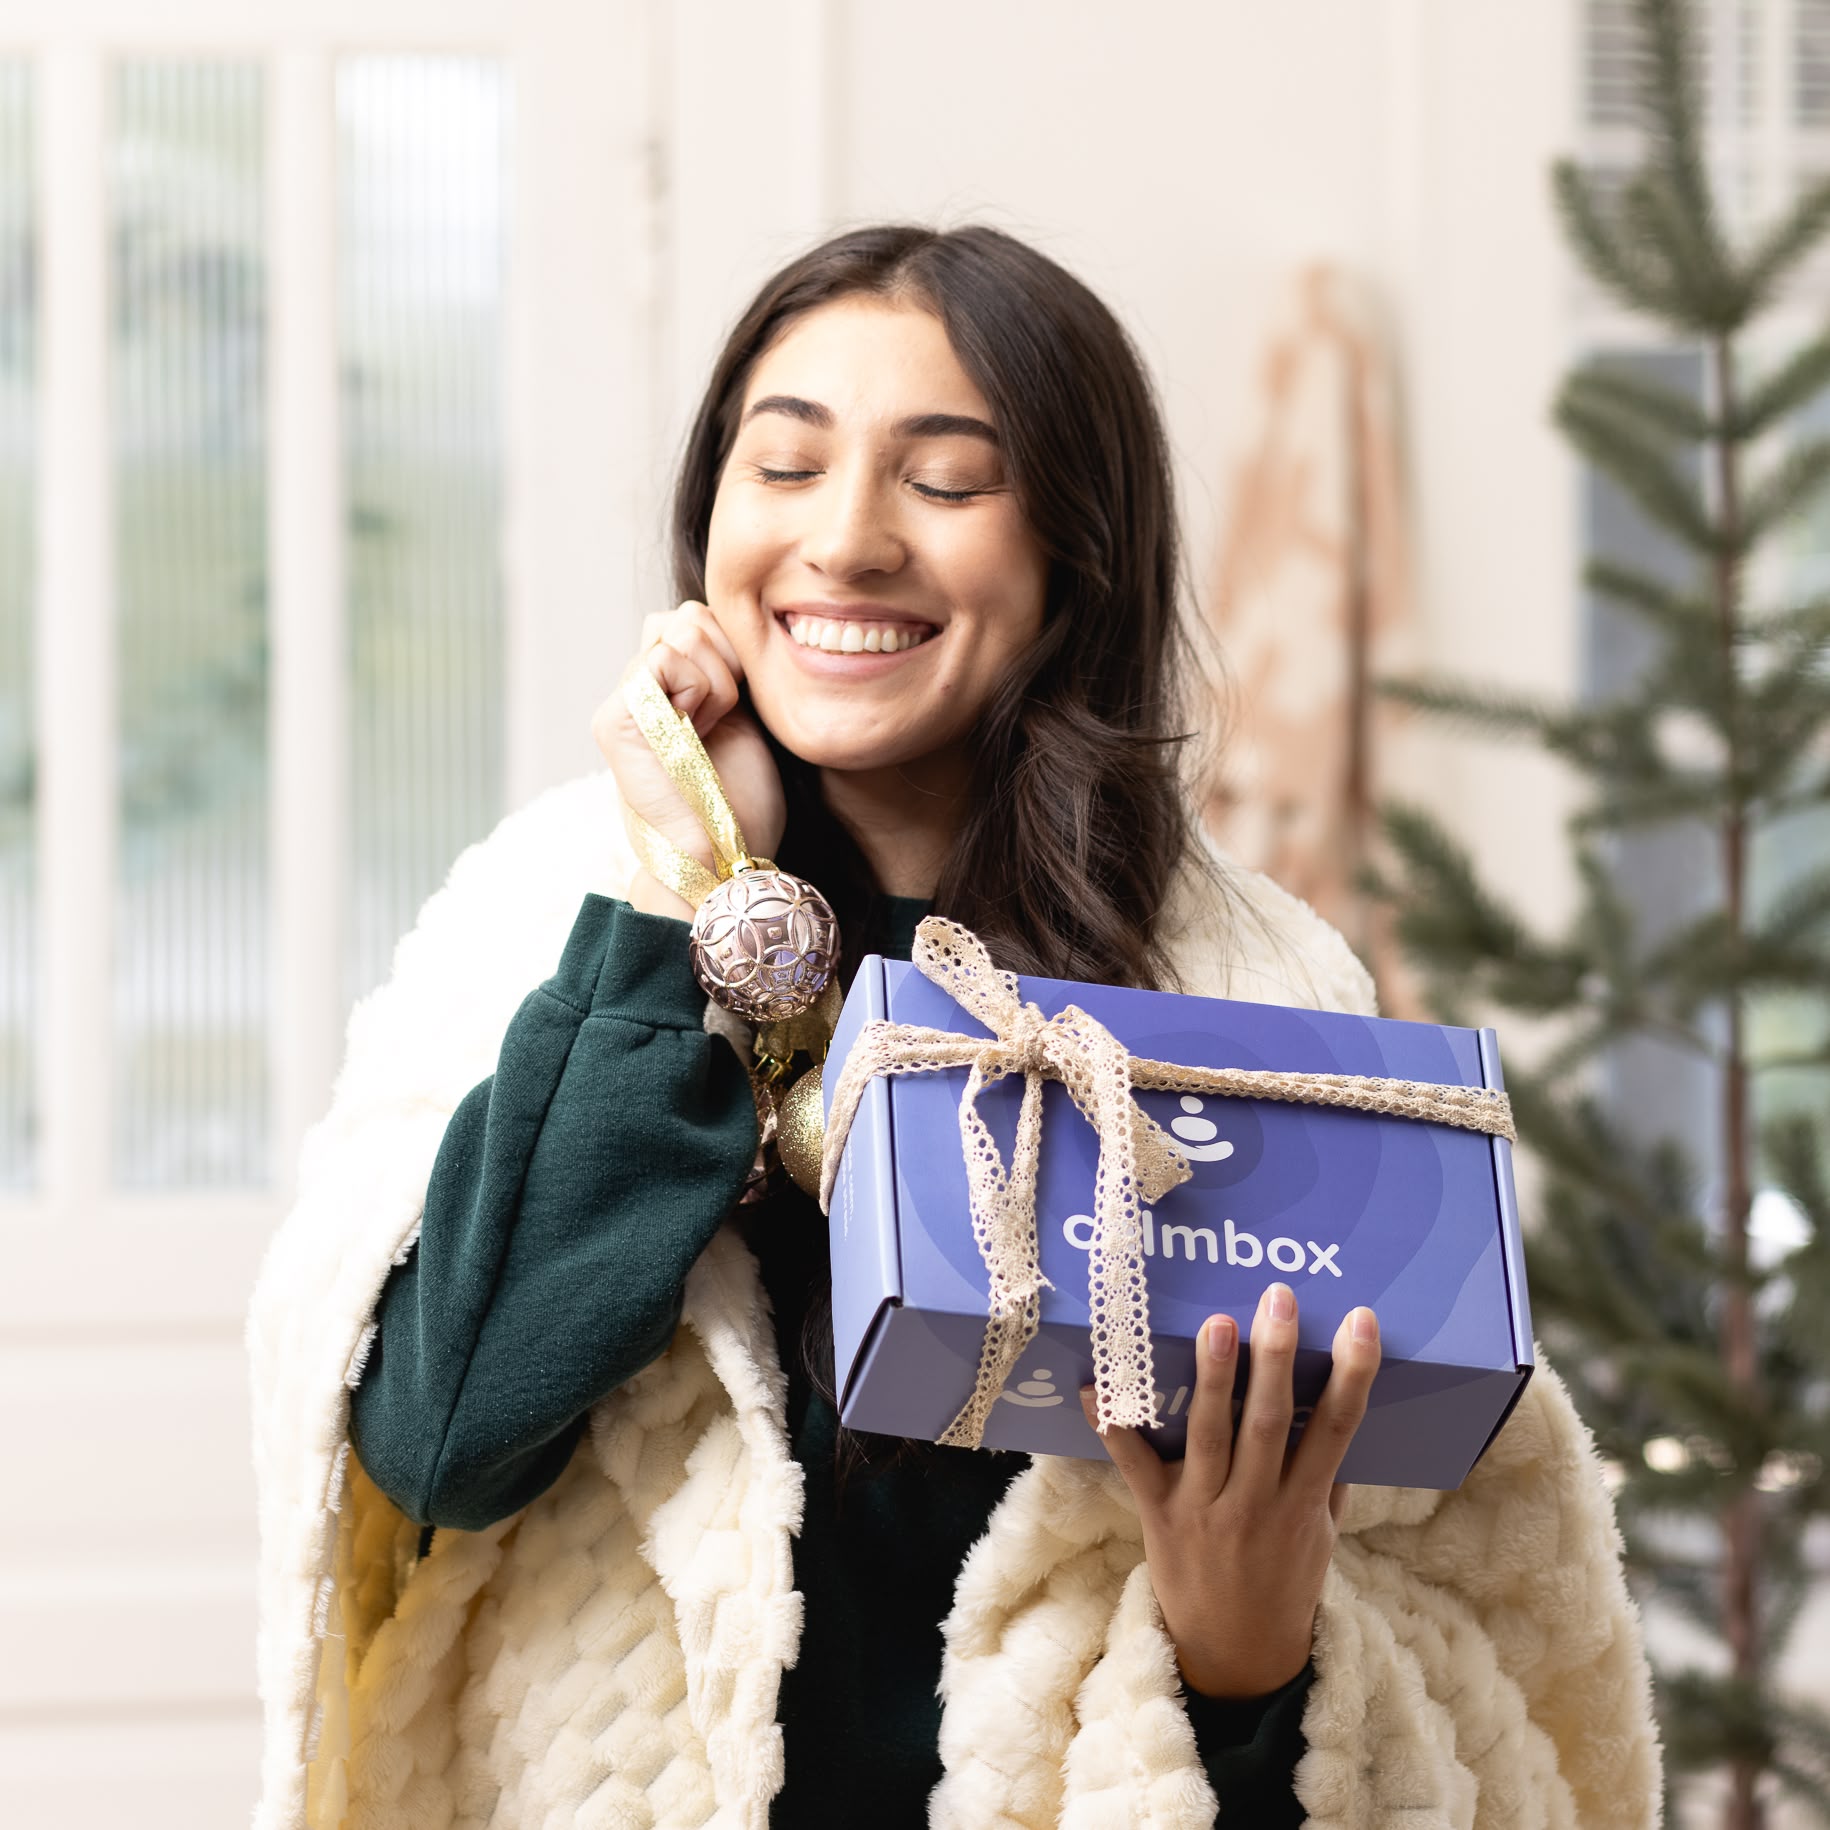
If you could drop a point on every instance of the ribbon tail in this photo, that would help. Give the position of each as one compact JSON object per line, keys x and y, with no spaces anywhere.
{"x":1118,"y":1301}
{"x":1004,"y":1224}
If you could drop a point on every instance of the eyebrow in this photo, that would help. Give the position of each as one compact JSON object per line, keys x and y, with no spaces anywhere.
{"x":917,"y":425}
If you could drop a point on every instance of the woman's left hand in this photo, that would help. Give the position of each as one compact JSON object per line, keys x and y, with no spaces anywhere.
{"x":1238,"y":1535}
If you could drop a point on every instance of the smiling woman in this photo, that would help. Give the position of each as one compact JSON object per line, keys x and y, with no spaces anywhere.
{"x":605,"y":1553}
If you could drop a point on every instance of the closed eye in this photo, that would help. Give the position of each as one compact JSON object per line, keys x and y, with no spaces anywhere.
{"x":927,"y":489}
{"x":948,"y":495}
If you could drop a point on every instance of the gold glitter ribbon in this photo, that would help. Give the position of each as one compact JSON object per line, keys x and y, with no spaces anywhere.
{"x":1138,"y":1161}
{"x":689,"y":767}
{"x":678,"y":750}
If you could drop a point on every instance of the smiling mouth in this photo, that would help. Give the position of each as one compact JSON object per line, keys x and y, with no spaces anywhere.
{"x":832,"y":635}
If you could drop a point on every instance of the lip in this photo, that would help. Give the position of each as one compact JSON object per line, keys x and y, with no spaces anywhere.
{"x":857,"y":613}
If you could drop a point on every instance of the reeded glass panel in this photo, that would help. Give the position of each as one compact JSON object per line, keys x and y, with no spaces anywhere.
{"x":1811,"y":62}
{"x":188,"y":331}
{"x":422,"y":144}
{"x":18,"y":408}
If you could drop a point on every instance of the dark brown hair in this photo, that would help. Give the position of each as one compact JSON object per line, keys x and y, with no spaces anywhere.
{"x":1077,"y":791}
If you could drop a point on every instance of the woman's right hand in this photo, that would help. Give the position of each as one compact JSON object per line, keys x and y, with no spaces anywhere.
{"x":697,"y":668}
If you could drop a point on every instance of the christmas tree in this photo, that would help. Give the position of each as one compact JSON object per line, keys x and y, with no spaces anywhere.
{"x":1701,"y":1361}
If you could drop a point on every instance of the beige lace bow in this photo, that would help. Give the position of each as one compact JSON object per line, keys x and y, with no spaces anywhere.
{"x":1138,"y":1161}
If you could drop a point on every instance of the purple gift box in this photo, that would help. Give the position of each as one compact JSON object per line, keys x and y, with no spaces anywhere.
{"x":1417,"y":1220}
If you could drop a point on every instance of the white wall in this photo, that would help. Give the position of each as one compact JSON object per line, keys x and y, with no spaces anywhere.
{"x":1183,"y":160}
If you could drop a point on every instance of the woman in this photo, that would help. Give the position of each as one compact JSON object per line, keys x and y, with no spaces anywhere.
{"x":604,"y":1553}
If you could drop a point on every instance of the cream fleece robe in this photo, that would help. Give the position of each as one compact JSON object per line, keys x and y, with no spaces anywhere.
{"x":610,"y":1656}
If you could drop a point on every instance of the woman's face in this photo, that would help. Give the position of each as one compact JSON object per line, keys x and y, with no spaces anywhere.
{"x":866,"y":556}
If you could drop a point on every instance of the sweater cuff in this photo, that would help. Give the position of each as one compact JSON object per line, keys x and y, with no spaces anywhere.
{"x":1255,"y":1726}
{"x":623,"y":963}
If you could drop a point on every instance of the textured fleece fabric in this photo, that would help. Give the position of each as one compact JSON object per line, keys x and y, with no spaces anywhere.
{"x":570,"y":1196}
{"x":613,"y":1653}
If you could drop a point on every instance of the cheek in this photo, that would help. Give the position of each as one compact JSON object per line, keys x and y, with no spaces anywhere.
{"x":1004,"y":575}
{"x":738,"y":544}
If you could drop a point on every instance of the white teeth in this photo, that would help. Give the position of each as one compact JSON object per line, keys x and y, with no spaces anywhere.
{"x":852,"y":638}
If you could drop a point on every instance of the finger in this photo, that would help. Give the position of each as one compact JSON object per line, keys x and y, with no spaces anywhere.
{"x":690,"y":641}
{"x":1338,"y":1496}
{"x":1210,"y":1414}
{"x":1342,"y":1405}
{"x":1131,"y":1455}
{"x":678,"y":676}
{"x":1264,"y":1430}
{"x":704,"y":622}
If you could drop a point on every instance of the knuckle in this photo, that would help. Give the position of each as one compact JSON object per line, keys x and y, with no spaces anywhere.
{"x":1209,"y":1439}
{"x":1339,"y":1422}
{"x":1268,"y":1428}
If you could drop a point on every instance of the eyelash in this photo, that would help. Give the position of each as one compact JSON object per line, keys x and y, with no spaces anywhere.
{"x":927,"y":489}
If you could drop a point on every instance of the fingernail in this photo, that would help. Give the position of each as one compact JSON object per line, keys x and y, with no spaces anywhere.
{"x":1282,"y":1304}
{"x":1222,"y":1332}
{"x":1365,"y":1327}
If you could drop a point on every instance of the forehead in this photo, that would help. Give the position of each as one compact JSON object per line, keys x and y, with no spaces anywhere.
{"x":868,"y":360}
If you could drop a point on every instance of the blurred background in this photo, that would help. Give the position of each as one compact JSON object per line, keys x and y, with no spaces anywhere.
{"x":346,"y":347}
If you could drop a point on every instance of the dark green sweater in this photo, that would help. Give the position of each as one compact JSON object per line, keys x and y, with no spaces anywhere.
{"x":571,"y":1194}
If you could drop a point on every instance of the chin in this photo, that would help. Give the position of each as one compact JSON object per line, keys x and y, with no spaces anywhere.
{"x":830,"y":750}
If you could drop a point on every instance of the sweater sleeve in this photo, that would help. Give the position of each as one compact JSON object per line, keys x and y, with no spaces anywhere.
{"x":572,"y":1191}
{"x":1250,"y":1749}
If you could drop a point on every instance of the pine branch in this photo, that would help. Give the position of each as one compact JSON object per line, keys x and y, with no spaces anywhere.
{"x":1463,"y":935}
{"x":1701,"y":287}
{"x":1804,"y":1730}
{"x":1641,"y":467}
{"x":1794,"y":384}
{"x":1671,"y":115}
{"x":1651,"y":803}
{"x":1705,"y":958}
{"x":1799,"y":910}
{"x":1674,"y":612}
{"x":1608,"y":388}
{"x":1713,"y":1720}
{"x":1616,"y":265}
{"x":1492,"y":712}
{"x":1788,"y":242}
{"x":1808,"y":622}
{"x":1787,"y":490}
{"x":1794,"y":1154}
{"x":1801,"y":1784}
{"x":1787,"y":717}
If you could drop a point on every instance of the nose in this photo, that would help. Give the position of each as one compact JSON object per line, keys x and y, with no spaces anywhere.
{"x":851,"y":527}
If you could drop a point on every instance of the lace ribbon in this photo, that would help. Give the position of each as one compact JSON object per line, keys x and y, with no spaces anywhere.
{"x":1138,"y":1161}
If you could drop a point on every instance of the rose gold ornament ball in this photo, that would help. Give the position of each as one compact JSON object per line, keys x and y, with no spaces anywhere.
{"x":765,"y":944}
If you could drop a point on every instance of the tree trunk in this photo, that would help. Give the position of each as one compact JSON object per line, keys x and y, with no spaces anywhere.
{"x":1740,"y":1355}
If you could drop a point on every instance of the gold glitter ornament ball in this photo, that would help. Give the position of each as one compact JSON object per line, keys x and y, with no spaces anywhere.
{"x":800,"y":1131}
{"x":765,"y":944}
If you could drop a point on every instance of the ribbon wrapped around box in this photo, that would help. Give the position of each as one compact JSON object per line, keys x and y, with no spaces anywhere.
{"x":1062,"y":1181}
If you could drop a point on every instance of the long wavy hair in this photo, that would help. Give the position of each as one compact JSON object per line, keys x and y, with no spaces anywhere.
{"x":1078,"y":783}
